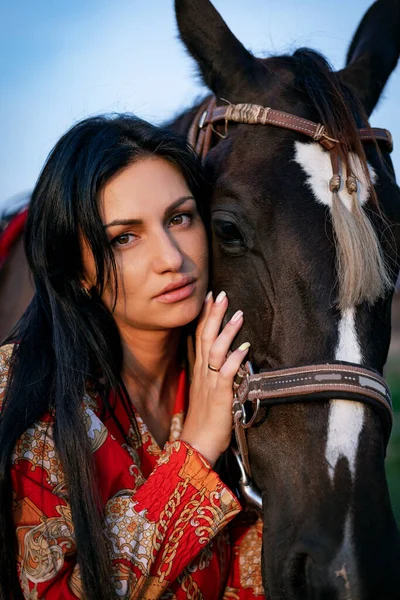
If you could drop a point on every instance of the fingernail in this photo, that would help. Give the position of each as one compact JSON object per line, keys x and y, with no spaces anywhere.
{"x":236,"y":317}
{"x":220,"y":297}
{"x":244,"y":346}
{"x":209,"y":295}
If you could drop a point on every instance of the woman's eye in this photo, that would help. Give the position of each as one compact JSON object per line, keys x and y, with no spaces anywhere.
{"x":123,"y":239}
{"x":227,"y":232}
{"x":183,"y":219}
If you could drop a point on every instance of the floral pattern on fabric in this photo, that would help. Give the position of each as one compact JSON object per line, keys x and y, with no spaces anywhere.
{"x":171,"y":523}
{"x":250,"y":559}
{"x":245,"y":579}
{"x":37,"y":447}
{"x":130,"y":532}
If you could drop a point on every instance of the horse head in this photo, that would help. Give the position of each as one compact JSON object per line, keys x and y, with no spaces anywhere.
{"x":313,"y":267}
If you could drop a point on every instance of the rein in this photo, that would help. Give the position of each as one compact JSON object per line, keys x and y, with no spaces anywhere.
{"x":309,"y":383}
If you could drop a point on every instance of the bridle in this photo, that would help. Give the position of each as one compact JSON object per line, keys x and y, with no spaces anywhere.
{"x":310,"y":383}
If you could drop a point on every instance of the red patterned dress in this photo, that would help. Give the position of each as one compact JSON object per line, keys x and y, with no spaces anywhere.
{"x":171,"y":524}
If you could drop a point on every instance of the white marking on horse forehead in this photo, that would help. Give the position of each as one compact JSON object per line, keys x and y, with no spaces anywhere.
{"x":316,"y":163}
{"x":346,"y":418}
{"x":348,"y":346}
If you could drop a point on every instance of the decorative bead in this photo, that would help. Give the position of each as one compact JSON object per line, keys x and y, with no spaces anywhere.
{"x":351,"y":184}
{"x":334,"y":183}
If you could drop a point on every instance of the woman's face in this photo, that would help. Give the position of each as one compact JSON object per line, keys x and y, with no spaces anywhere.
{"x":160,"y":247}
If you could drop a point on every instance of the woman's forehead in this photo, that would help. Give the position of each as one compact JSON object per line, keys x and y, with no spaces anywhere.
{"x":143,"y":189}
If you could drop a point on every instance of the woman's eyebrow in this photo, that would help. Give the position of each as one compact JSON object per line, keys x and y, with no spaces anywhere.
{"x":123,"y":222}
{"x":176,"y":204}
{"x":167,"y":211}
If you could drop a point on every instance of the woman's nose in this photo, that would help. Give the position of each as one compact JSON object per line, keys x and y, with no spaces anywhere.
{"x":167,"y":255}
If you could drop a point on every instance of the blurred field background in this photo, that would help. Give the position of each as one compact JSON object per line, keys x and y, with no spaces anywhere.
{"x":392,"y":373}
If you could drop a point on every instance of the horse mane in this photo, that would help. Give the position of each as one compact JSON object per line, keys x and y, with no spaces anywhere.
{"x":182,"y":121}
{"x":361,"y":270}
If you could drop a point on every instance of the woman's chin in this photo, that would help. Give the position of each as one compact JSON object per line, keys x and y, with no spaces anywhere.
{"x":163,"y":316}
{"x":182,"y":313}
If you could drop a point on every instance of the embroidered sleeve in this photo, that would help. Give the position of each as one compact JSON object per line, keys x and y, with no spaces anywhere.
{"x":155,"y":528}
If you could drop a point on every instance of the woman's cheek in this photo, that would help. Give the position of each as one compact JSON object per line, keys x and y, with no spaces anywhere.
{"x":131,"y":267}
{"x":199,"y":247}
{"x":129,"y":280}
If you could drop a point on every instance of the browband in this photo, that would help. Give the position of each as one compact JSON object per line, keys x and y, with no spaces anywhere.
{"x":209,"y":114}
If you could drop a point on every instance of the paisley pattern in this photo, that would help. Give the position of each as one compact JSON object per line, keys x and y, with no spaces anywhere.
{"x":55,"y":532}
{"x":173,"y":527}
{"x":97,"y":432}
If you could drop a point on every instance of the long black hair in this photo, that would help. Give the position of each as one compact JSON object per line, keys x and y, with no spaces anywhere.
{"x":66,"y":337}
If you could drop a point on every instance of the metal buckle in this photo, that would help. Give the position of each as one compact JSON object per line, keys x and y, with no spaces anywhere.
{"x":247,"y":489}
{"x":248,"y":424}
{"x":203,"y":119}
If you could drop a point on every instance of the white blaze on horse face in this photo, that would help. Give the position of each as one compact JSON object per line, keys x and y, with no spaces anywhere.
{"x":316,"y":164}
{"x":345,"y":418}
{"x":344,"y":427}
{"x":348,"y":346}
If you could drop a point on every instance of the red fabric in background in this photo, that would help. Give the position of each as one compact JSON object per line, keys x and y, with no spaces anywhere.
{"x":11,"y":233}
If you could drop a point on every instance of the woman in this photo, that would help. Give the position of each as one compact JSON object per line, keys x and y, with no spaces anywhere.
{"x":105,"y":490}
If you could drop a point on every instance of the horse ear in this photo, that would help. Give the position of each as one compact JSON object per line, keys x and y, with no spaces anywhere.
{"x":225,"y":64}
{"x":374,"y":52}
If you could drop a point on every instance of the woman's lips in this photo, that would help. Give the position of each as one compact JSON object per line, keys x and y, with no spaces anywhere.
{"x":178,"y":294}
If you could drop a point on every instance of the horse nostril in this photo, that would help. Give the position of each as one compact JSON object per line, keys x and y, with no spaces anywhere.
{"x":309,"y":580}
{"x":298,"y":575}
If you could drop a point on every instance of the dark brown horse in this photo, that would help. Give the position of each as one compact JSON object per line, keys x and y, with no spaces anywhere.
{"x":314,"y":272}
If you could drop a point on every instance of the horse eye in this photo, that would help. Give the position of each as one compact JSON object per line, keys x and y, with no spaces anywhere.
{"x":228,"y":233}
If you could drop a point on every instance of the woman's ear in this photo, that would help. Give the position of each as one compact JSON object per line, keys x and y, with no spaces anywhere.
{"x":86,"y":289}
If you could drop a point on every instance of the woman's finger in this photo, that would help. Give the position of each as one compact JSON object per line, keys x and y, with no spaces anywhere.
{"x":213,"y":325}
{"x":207,"y":306}
{"x":232,"y":364}
{"x":220,"y":347}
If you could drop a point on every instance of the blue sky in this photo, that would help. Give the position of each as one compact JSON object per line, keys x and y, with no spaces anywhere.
{"x":62,"y":61}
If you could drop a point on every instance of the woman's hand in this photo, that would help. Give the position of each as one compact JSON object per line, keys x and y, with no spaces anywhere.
{"x":208,"y":425}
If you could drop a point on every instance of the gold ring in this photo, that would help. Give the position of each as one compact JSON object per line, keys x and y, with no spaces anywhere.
{"x":213,"y":368}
